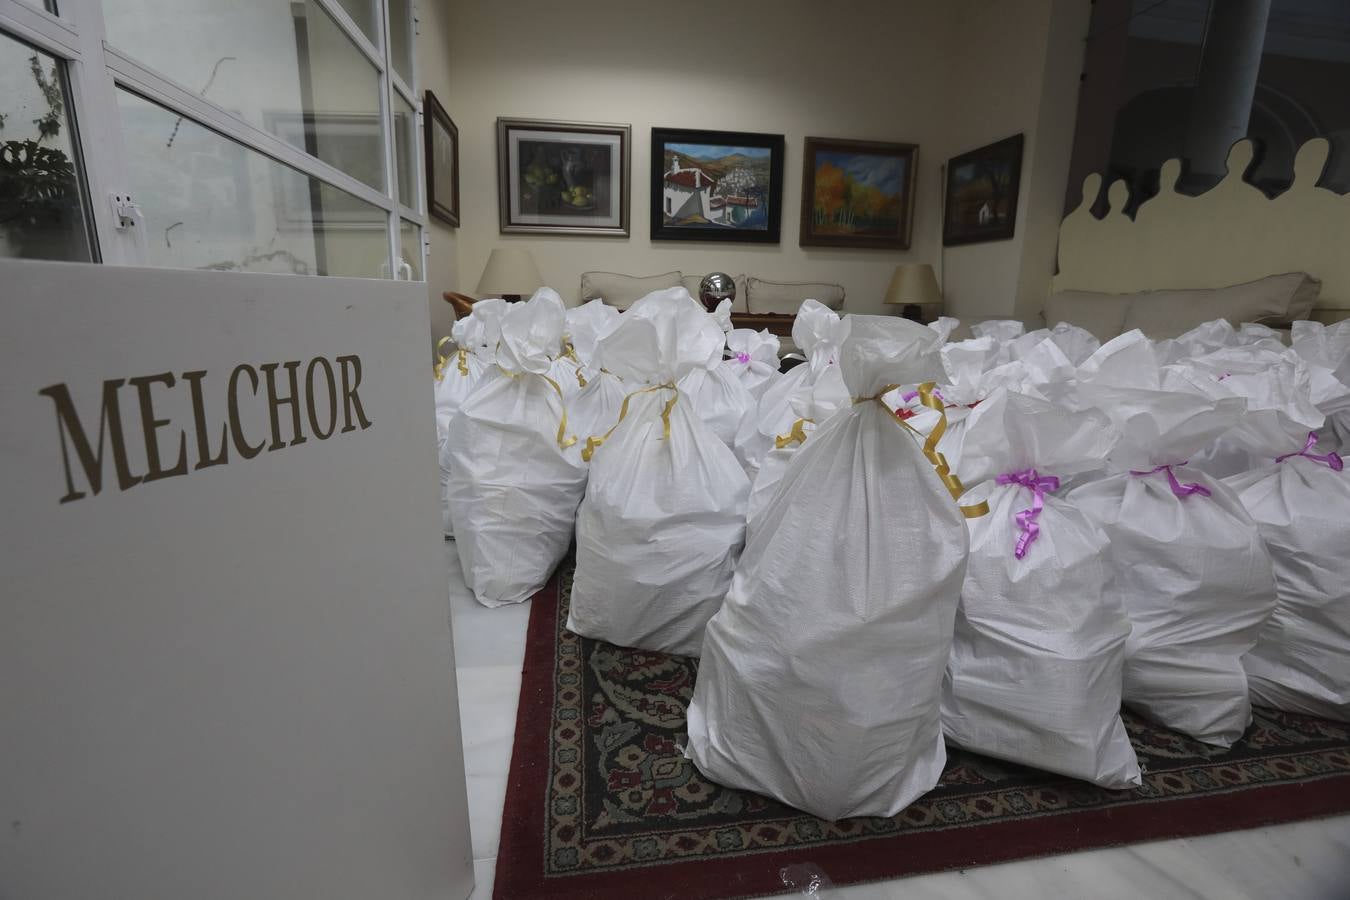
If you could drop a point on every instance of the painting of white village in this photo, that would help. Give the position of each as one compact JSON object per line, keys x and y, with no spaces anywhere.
{"x":720,"y":186}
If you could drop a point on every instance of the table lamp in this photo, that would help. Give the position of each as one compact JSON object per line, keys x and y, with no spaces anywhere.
{"x":510,"y":273}
{"x":914,"y":287}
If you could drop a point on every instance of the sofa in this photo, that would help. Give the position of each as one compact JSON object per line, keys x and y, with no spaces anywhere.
{"x":753,"y":294}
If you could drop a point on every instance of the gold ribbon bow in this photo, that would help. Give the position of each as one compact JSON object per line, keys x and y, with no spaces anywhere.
{"x":796,"y":434}
{"x":954,"y":485}
{"x":570,"y":353}
{"x":441,"y":358}
{"x":594,"y":442}
{"x":463,"y":362}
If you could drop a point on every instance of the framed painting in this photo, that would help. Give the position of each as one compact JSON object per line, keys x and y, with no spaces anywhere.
{"x":353,"y":143}
{"x":981,"y":193}
{"x":442,"y":153}
{"x":563,"y":177}
{"x":857,"y":194}
{"x":716,"y":186}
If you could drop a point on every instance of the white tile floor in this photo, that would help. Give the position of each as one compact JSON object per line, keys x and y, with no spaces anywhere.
{"x":1299,"y":861}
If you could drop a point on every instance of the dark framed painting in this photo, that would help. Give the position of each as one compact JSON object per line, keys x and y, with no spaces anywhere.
{"x":716,"y":186}
{"x":563,"y":177}
{"x":981,"y":194}
{"x":442,"y":152}
{"x":858,"y":194}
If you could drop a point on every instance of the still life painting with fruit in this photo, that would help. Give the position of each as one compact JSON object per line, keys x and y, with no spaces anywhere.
{"x":562,"y":178}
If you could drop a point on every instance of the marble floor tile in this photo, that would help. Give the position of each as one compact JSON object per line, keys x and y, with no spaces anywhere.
{"x":483,"y":636}
{"x":487,"y":708}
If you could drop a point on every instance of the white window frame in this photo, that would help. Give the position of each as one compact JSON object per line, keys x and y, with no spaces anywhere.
{"x":95,"y":72}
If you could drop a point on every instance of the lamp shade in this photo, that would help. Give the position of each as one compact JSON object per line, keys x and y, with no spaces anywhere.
{"x":509,"y":271}
{"x":914,"y":283}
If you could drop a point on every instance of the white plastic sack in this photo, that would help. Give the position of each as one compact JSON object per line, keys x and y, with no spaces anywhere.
{"x":512,"y":491}
{"x":821,"y":675}
{"x":663,"y":519}
{"x":594,"y":410}
{"x":813,"y":405}
{"x":818,"y":332}
{"x":1327,"y":350}
{"x":754,"y":359}
{"x":585,"y":325}
{"x":719,"y":400}
{"x":457,"y":373}
{"x":1185,"y":560}
{"x":1301,"y":661}
{"x":1076,"y":343}
{"x":1038,"y":651}
{"x":944,"y":326}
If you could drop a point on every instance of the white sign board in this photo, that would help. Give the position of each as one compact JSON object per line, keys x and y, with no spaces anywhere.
{"x":225,"y":661}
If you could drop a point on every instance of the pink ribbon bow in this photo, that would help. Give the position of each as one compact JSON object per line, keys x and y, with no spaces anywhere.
{"x":742,"y":357}
{"x":1026,"y":519}
{"x":1332,"y":459}
{"x":1181,"y":490}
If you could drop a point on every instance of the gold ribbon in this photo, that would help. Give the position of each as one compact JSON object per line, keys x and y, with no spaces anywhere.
{"x":796,"y":434}
{"x":569,"y":352}
{"x":594,"y":442}
{"x":563,"y":440}
{"x":464,"y":362}
{"x":954,"y":485}
{"x":441,"y":358}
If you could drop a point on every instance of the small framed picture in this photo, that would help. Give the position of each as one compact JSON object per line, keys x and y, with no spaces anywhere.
{"x":981,"y":202}
{"x":442,"y":151}
{"x":563,"y":177}
{"x":716,"y":186}
{"x":857,"y":194}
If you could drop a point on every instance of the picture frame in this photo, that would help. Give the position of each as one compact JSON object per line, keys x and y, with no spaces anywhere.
{"x":441,"y":150}
{"x":716,"y":186}
{"x":858,"y":193}
{"x":561,"y":177}
{"x":981,"y":193}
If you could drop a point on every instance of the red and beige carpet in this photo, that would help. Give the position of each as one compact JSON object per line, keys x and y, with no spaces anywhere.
{"x":601,"y":802}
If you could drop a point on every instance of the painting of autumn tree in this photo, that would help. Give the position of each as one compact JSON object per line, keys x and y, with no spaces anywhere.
{"x":857,"y":193}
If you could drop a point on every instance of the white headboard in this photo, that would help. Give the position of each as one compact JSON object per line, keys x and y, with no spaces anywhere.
{"x":1227,"y":235}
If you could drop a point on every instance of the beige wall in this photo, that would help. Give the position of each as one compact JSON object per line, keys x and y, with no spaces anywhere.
{"x":1014,"y":67}
{"x":949,"y":76}
{"x":434,"y":50}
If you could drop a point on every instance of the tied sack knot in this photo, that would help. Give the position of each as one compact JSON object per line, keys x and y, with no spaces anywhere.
{"x":1181,"y":490}
{"x":925,"y":394}
{"x":1039,"y":485}
{"x":1332,"y":459}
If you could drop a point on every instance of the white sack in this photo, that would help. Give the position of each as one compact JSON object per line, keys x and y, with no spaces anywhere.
{"x":1035,"y":671}
{"x":512,"y":491}
{"x":818,"y":332}
{"x":593,"y":411}
{"x":1076,"y":343}
{"x":1191,"y":571}
{"x":944,"y":326}
{"x":585,"y":325}
{"x":719,"y":400}
{"x":1301,"y":661}
{"x":821,"y":675}
{"x":663,"y":519}
{"x":754,"y":359}
{"x":457,"y":373}
{"x":1327,"y":350}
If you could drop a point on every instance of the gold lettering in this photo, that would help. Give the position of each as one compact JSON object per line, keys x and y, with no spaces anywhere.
{"x":349,"y":398}
{"x":273,"y":401}
{"x":194,"y":379}
{"x":320,"y":433}
{"x":241,"y":446}
{"x":109,"y":421}
{"x":149,"y":425}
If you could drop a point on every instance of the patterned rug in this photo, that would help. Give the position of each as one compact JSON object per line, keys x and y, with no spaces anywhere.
{"x":601,"y":802}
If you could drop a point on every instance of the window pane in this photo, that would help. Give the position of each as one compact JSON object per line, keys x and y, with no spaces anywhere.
{"x":211,"y":203}
{"x":363,"y":13}
{"x":49,"y":5}
{"x":283,"y":67}
{"x":405,"y":147}
{"x":410,"y":249}
{"x":42,"y":204}
{"x":401,"y":38}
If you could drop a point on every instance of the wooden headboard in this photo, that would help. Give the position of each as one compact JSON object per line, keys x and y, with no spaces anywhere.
{"x":1230,"y":234}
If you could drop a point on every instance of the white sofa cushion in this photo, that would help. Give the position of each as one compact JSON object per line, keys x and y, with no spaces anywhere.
{"x":620,"y":290}
{"x":1101,"y":314}
{"x":787,"y":296}
{"x":1273,"y":300}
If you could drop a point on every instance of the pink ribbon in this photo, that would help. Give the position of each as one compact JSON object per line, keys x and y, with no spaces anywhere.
{"x":743,"y":357}
{"x":1026,"y":519}
{"x":1181,"y":490}
{"x":1332,"y":459}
